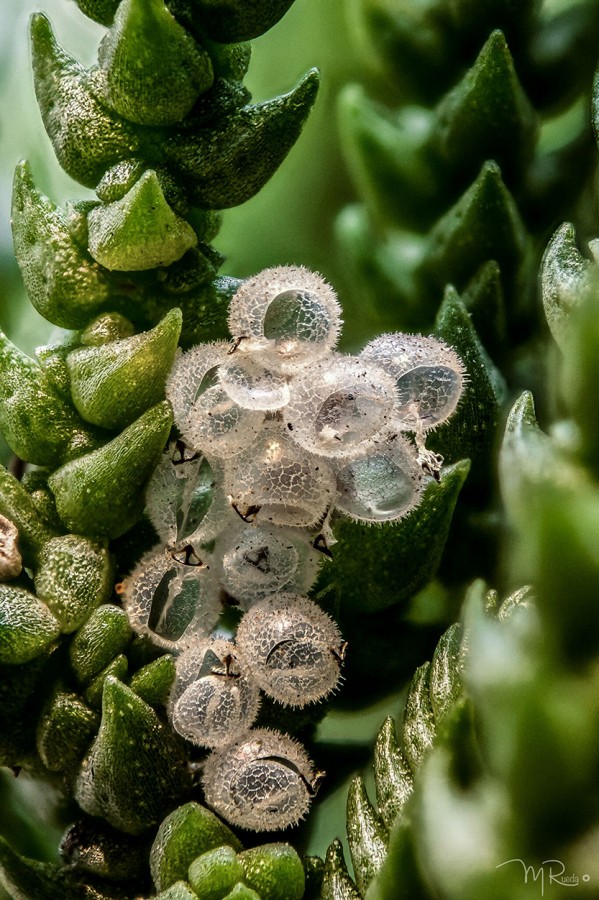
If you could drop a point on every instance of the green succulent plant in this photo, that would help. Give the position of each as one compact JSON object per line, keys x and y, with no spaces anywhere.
{"x":471,"y":622}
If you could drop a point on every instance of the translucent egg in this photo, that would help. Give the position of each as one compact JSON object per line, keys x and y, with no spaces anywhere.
{"x":382,"y":483}
{"x":172,"y":596}
{"x":260,"y":561}
{"x":430,"y":376}
{"x":289,"y":314}
{"x":214,"y":699}
{"x":251,"y":385}
{"x":265,"y":781}
{"x":292,"y":648}
{"x":338,"y":404}
{"x":275,"y":481}
{"x":181,"y":498}
{"x":208,"y":419}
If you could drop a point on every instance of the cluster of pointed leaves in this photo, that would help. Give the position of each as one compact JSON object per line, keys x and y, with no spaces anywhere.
{"x":165,"y":132}
{"x":459,"y":182}
{"x":485,"y":798}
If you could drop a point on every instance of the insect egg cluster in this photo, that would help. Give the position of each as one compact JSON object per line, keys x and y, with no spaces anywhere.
{"x":279,"y":432}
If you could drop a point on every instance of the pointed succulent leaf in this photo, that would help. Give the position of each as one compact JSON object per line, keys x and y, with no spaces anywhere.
{"x":117,"y":668}
{"x":373,"y":568}
{"x":101,"y":11}
{"x":400,"y":876}
{"x":52,"y":360}
{"x":419,"y":719}
{"x":105,"y":635}
{"x":392,"y":774}
{"x":471,"y":430}
{"x":27,"y":627}
{"x":65,"y":731}
{"x":366,"y":835}
{"x":388,"y":157}
{"x":63,"y":282}
{"x":215,"y":873}
{"x":101,"y":494}
{"x":151,"y":69}
{"x":337,"y":885}
{"x":25,"y":879}
{"x":242,"y":892}
{"x":564,"y":280}
{"x":484,"y":299}
{"x":184,"y":835}
{"x":114,"y":383}
{"x":274,"y":871}
{"x":36,"y":421}
{"x":35,"y":481}
{"x":484,"y":224}
{"x":153,"y":682}
{"x":140,"y":231}
{"x":314,"y":872}
{"x":445,"y":672}
{"x":232,"y":21}
{"x":227,"y":164}
{"x":487,"y":115}
{"x":17,"y":506}
{"x":530,"y":463}
{"x":580,"y":372}
{"x":74,"y":576}
{"x":135,"y":768}
{"x":107,"y":327}
{"x":86,"y":137}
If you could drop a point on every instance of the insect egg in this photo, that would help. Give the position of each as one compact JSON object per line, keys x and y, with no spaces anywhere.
{"x":293,"y":649}
{"x":430,"y":376}
{"x":172,"y":595}
{"x":213,"y":698}
{"x":289,"y":314}
{"x":263,"y":782}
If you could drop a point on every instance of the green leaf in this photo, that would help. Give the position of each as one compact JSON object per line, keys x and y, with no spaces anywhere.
{"x":101,"y":494}
{"x":151,"y":69}
{"x":65,"y":731}
{"x":392,"y":774}
{"x":75,"y":575}
{"x":242,"y":892}
{"x":400,"y":877}
{"x":104,"y":636}
{"x":484,"y":299}
{"x":484,"y":224}
{"x":226,"y":164}
{"x":337,"y":885}
{"x":178,"y":891}
{"x":471,"y":430}
{"x":184,"y":835}
{"x":419,"y":720}
{"x":101,"y":11}
{"x":153,"y":682}
{"x":215,"y":873}
{"x":114,"y":383}
{"x":564,"y":281}
{"x":373,"y":568}
{"x":117,"y":668}
{"x":274,"y":871}
{"x":36,"y":421}
{"x":445,"y":672}
{"x":231,"y":21}
{"x":64,"y":283}
{"x":86,"y":137}
{"x":27,"y":627}
{"x":487,"y":115}
{"x":17,"y":506}
{"x":105,"y":328}
{"x":366,"y":835}
{"x":135,"y":769}
{"x":140,"y":231}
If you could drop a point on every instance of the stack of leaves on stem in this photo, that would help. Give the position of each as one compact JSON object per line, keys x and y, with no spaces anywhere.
{"x":164,"y":131}
{"x":474,"y":149}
